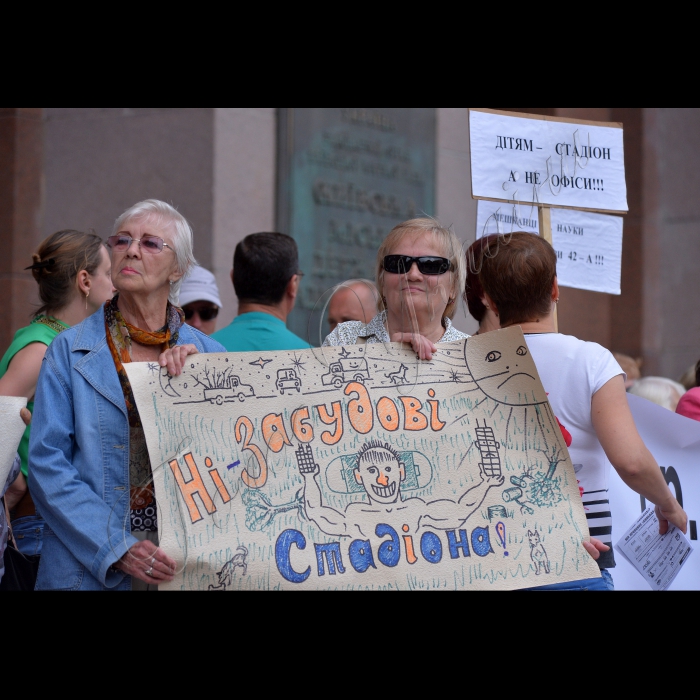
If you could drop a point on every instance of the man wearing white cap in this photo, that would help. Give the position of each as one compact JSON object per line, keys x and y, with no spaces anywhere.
{"x":199,"y":299}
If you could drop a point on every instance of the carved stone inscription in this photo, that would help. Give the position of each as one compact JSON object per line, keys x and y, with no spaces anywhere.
{"x":346,"y":177}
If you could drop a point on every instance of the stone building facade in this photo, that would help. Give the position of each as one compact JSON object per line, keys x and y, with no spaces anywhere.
{"x":80,"y":168}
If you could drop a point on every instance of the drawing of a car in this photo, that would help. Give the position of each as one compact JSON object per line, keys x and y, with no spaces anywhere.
{"x":232,"y":389}
{"x":287,"y":379}
{"x":346,"y":370}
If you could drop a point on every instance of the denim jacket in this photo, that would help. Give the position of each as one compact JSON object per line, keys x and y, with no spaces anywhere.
{"x":79,"y":459}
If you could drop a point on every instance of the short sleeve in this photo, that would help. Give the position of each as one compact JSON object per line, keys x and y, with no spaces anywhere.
{"x":603,"y":369}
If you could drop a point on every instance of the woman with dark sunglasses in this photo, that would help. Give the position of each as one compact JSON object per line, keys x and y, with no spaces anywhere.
{"x":90,"y":474}
{"x":199,"y":299}
{"x":420,"y":277}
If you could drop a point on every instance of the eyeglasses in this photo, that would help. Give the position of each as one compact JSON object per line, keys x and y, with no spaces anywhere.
{"x":206,"y":314}
{"x":427,"y":264}
{"x":151,"y":244}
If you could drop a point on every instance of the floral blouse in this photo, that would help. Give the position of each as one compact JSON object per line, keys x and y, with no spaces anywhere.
{"x":375,"y":332}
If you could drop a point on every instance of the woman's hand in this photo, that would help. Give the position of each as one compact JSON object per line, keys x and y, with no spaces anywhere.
{"x":174,"y":358}
{"x":595,"y":547}
{"x":671,"y":512}
{"x":422,"y":346}
{"x":147,"y":563}
{"x":26,"y":415}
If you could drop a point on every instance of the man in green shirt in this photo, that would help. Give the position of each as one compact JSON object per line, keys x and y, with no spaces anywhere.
{"x":266,"y":279}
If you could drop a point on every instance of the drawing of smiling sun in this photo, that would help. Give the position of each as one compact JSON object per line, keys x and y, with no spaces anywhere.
{"x":380,"y":471}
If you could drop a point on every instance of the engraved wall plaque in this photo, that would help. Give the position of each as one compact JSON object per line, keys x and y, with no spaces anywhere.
{"x":346,"y":176}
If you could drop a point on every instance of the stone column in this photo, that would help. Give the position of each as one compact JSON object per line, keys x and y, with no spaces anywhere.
{"x":244,"y":189}
{"x":21,"y":190}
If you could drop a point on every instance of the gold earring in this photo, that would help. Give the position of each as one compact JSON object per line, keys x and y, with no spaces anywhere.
{"x":87,"y":294}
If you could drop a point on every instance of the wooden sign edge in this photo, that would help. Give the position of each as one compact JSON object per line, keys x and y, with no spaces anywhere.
{"x":618,"y":212}
{"x":546,"y":118}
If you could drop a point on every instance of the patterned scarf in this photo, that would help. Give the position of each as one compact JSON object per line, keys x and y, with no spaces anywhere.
{"x":120,"y":335}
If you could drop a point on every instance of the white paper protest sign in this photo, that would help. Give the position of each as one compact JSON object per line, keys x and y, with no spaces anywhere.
{"x":549,"y":161}
{"x":674,"y":441}
{"x":12,"y":430}
{"x":588,"y":245}
{"x":589,"y":250}
{"x":505,"y":217}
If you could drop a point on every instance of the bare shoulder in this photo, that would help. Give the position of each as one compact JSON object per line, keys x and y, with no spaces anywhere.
{"x":23,"y":371}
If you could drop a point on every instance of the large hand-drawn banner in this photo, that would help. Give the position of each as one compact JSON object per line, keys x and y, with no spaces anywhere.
{"x":360,"y":467}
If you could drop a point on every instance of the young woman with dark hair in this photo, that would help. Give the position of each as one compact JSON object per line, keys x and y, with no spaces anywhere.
{"x":72,"y":270}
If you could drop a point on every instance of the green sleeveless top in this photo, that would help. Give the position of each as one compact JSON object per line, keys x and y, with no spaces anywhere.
{"x":42,"y":329}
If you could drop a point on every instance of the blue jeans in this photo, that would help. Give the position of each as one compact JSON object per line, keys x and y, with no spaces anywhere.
{"x":604,"y":583}
{"x":29,"y":534}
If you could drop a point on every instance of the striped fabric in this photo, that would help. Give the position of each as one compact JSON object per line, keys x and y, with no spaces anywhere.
{"x":597,"y":507}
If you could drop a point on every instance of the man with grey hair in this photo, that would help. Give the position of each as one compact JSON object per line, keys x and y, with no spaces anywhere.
{"x":354,"y":300}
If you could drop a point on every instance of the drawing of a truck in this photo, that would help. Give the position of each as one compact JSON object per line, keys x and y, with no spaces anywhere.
{"x":230,"y":390}
{"x":345,"y":370}
{"x":287,"y":379}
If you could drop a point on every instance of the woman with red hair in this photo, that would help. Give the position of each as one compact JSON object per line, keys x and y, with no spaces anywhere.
{"x":585,"y":386}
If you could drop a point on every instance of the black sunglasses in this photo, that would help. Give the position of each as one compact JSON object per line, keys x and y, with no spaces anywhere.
{"x":427,"y":264}
{"x":205,"y":314}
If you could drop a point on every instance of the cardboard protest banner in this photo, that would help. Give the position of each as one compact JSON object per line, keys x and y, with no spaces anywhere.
{"x":361,"y":467}
{"x":547,"y":160}
{"x":12,"y":431}
{"x":674,"y":441}
{"x":588,"y":245}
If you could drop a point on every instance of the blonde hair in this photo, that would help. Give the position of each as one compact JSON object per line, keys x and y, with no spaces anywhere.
{"x":660,"y":390}
{"x":445,"y":240}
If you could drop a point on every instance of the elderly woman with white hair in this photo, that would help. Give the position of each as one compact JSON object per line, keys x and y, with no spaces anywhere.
{"x":91,"y":477}
{"x":420,"y":278}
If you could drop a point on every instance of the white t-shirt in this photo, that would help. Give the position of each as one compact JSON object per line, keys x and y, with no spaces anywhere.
{"x":571,"y":371}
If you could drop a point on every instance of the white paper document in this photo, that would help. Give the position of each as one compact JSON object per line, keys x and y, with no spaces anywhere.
{"x":547,"y":161}
{"x":12,"y":430}
{"x":505,"y":217}
{"x":588,"y":246}
{"x":589,"y":250}
{"x":658,"y":558}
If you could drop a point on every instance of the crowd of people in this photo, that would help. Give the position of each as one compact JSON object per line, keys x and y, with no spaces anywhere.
{"x":79,"y":501}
